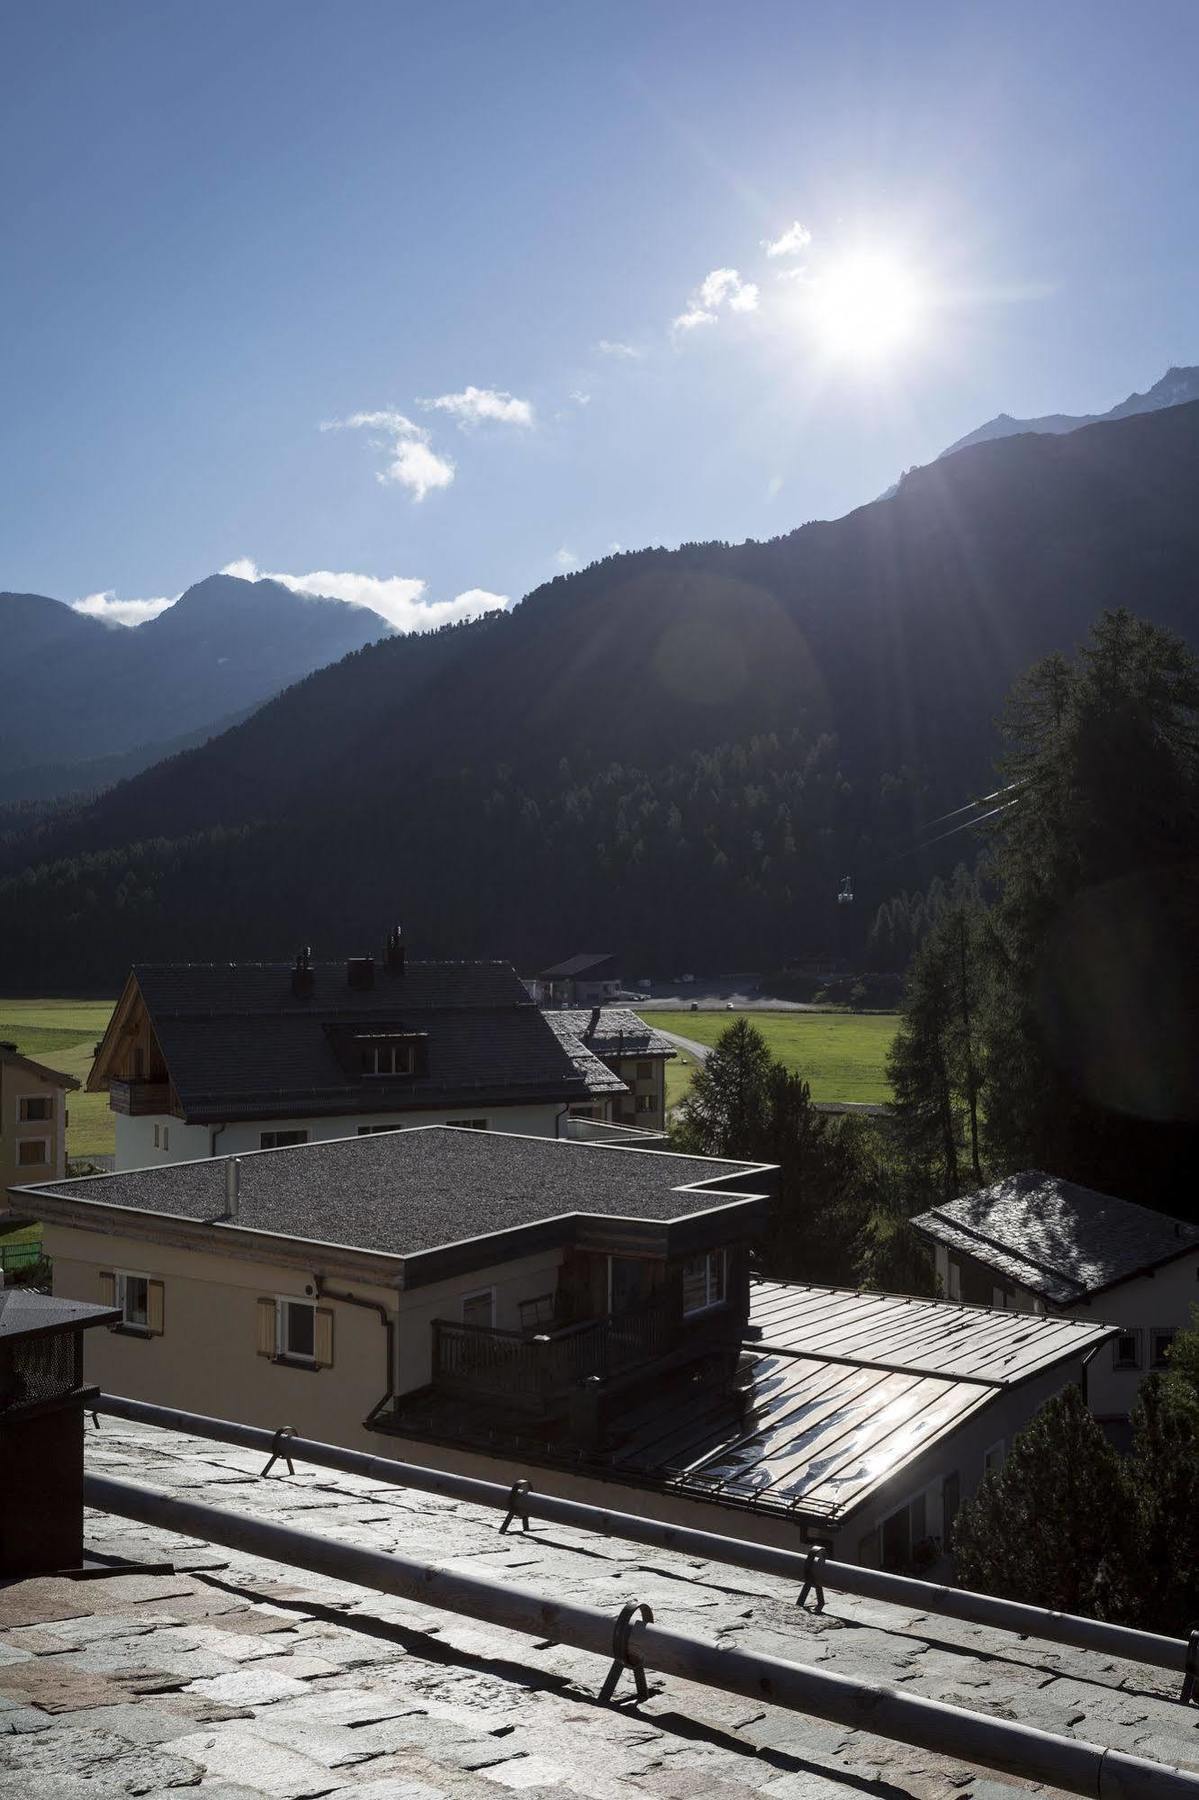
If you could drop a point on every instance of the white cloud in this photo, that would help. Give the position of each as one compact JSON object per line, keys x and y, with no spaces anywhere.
{"x":579,"y":398}
{"x":400,"y":599}
{"x":411,"y":462}
{"x":613,"y":347}
{"x":774,"y":486}
{"x":797,"y":237}
{"x":566,"y":559}
{"x":110,"y":611}
{"x":474,"y":406}
{"x":722,"y":287}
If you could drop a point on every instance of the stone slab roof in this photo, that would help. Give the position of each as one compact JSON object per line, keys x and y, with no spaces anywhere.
{"x":13,"y":1059}
{"x":619,"y":1032}
{"x":228,"y":1677}
{"x":401,"y":1193}
{"x":240,"y":1044}
{"x":1055,"y":1238}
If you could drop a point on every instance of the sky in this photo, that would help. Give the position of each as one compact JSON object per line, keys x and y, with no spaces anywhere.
{"x":423,"y":306}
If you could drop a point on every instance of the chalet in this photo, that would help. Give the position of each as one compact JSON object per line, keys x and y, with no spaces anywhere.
{"x":1035,"y":1244}
{"x":578,"y":1315}
{"x":632,"y":1050}
{"x":33,"y":1119}
{"x":588,"y":979}
{"x":207,"y":1058}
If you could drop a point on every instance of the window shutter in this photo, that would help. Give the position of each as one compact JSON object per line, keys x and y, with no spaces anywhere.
{"x":266,"y":1328}
{"x":108,"y":1289}
{"x":154,"y":1308}
{"x":324,"y":1337}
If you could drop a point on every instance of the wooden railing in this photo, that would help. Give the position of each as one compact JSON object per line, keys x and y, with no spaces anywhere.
{"x":479,"y":1359}
{"x":133,"y":1097}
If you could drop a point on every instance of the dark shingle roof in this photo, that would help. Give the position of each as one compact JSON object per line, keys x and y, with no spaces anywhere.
{"x":24,"y":1313}
{"x":1055,"y":1238}
{"x":238,"y":1043}
{"x":402,"y":1193}
{"x":619,"y":1032}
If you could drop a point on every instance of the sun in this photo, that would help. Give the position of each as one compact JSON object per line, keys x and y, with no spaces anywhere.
{"x":865,"y":307}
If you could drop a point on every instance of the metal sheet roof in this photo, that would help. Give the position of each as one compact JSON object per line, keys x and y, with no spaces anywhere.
{"x":928,"y":1337}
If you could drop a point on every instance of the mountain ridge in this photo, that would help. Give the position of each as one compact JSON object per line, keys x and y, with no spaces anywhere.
{"x":1177,"y":387}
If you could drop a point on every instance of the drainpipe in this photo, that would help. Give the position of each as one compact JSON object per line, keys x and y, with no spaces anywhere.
{"x":387,"y":1320}
{"x":213,"y":1134}
{"x":563,"y":1113}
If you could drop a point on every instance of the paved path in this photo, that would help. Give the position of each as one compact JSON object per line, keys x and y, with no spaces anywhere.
{"x":697,"y":1050}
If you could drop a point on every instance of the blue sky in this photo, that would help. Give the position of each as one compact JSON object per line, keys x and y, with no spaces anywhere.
{"x":226,"y":226}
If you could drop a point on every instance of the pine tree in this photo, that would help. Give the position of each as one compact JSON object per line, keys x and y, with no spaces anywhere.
{"x":726,"y":1108}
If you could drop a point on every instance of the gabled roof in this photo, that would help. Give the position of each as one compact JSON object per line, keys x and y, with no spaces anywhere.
{"x":1055,"y":1238}
{"x":578,"y":965}
{"x":239,"y":1043}
{"x":415,"y":1195}
{"x":618,"y":1032}
{"x":14,"y":1060}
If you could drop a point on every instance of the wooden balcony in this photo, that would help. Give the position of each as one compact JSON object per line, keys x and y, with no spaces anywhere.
{"x":539,"y":1371}
{"x":136,"y":1097}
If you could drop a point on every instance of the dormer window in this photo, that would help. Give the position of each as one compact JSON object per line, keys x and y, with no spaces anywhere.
{"x":384,"y":1056}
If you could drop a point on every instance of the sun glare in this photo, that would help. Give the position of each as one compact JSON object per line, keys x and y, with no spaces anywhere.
{"x":865,"y":308}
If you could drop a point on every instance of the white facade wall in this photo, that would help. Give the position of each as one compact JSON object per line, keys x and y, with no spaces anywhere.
{"x":1161,"y":1301}
{"x":136,"y":1147}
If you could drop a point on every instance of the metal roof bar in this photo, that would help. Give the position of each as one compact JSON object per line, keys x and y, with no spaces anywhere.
{"x":1062,"y":1762}
{"x":873,"y":1584}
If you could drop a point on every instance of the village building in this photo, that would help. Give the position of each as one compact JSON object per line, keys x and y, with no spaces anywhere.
{"x":1033,"y":1243}
{"x":578,"y":1314}
{"x":590,"y":978}
{"x":33,"y":1119}
{"x":634,"y":1052}
{"x":201,"y":1059}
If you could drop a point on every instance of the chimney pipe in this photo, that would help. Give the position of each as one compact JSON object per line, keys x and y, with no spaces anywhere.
{"x":592,"y":1023}
{"x":301,"y":975}
{"x":394,"y":952}
{"x":232,"y":1187}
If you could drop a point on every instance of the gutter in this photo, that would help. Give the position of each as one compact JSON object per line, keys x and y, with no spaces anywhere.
{"x":388,"y":1322}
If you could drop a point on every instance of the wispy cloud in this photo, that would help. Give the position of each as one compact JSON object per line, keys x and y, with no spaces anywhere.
{"x":720,"y":288}
{"x":476,"y":406}
{"x":579,"y":397}
{"x":411,"y":462}
{"x":613,"y":347}
{"x":110,"y":611}
{"x":400,"y":599}
{"x":791,"y":242}
{"x":566,"y":559}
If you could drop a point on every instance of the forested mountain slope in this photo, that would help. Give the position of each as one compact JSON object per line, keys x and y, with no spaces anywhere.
{"x":675,"y":752}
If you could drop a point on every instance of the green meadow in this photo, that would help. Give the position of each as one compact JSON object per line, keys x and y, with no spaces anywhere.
{"x":63,"y":1034}
{"x":842,"y":1056}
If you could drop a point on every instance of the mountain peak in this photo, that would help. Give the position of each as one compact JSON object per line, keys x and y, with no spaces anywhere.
{"x":1177,"y":387}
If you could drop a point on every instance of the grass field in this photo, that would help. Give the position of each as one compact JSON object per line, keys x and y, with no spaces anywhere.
{"x":63,"y":1034}
{"x":843,"y":1056}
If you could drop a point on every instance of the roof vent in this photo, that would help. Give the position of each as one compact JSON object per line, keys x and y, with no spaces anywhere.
{"x":360,"y":972}
{"x":301,"y":975}
{"x":393,"y":952}
{"x":232,"y":1187}
{"x":592,"y":1023}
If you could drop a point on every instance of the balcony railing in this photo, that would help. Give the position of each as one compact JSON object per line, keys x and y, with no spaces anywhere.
{"x":133,"y":1097}
{"x":537,"y":1369}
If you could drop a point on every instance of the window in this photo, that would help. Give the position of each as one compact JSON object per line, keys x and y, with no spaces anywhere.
{"x":645,"y":1071}
{"x":297,"y":1332}
{"x":387,"y":1059}
{"x":279,"y":1140}
{"x":32,"y":1109}
{"x":897,"y":1539}
{"x":955,"y":1278}
{"x":536,"y":1312}
{"x":140,"y":1299}
{"x":158,"y":1137}
{"x":166,"y":1137}
{"x":1160,"y":1340}
{"x":1126,"y":1351}
{"x":626,"y":1282}
{"x":33,"y":1152}
{"x":373,"y":1130}
{"x":704,"y":1281}
{"x":468,"y":1124}
{"x":479,"y":1309}
{"x":646,"y":1103}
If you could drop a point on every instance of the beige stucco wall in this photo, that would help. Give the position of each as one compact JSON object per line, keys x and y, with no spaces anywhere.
{"x":15,"y":1084}
{"x":206,"y":1359}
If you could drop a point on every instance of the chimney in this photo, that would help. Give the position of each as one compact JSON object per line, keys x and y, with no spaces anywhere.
{"x":232,"y":1187}
{"x":394,"y":952}
{"x":360,"y":972}
{"x":301,"y":975}
{"x":592,"y":1024}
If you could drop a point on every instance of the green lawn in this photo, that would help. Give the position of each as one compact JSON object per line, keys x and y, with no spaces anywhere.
{"x":842,"y":1056}
{"x":63,"y":1034}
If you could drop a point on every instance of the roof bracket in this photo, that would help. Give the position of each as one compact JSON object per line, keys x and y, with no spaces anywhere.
{"x":517,"y":1508}
{"x":279,"y":1449}
{"x":813,"y":1574}
{"x":1192,"y":1669}
{"x":624,"y":1658}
